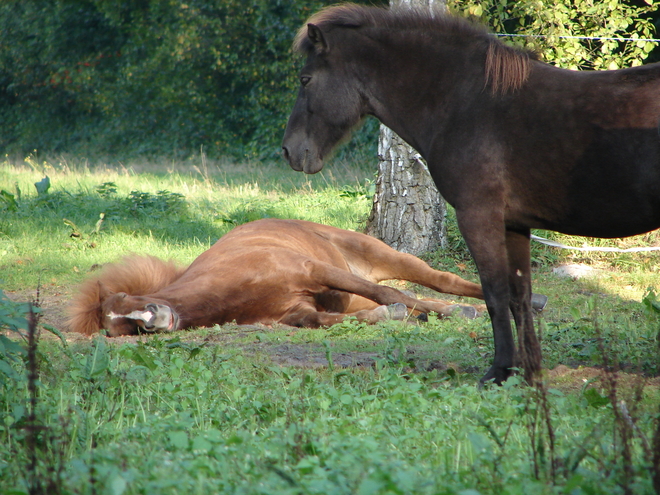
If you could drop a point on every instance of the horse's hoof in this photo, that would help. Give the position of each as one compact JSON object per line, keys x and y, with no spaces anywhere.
{"x":539,"y":301}
{"x":465,"y":311}
{"x":497,"y":375}
{"x":397,"y":311}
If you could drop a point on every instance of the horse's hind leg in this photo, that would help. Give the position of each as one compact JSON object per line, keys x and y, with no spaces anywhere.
{"x":377,"y":261}
{"x":471,"y":311}
{"x":387,"y":263}
{"x":338,"y":279}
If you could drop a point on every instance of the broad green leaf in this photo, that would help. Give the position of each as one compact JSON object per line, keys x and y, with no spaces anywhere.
{"x":179,"y":439}
{"x":98,"y":360}
{"x":595,"y":399}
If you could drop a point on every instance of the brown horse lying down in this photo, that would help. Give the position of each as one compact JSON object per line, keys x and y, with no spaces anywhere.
{"x":270,"y":271}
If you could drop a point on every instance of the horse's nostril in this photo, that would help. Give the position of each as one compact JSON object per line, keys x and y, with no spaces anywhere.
{"x":285,"y":152}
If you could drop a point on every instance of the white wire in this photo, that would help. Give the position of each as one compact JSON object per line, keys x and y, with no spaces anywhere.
{"x":556,"y":244}
{"x":576,"y":37}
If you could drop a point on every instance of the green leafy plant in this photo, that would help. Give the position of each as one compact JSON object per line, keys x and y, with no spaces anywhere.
{"x":13,"y":320}
{"x":575,"y":34}
{"x":8,"y":200}
{"x":144,"y":203}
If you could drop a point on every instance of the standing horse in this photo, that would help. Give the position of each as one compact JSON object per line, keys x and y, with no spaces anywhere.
{"x":512,"y":143}
{"x":269,"y":271}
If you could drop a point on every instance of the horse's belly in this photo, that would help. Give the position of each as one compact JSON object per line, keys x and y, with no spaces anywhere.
{"x":607,"y":219}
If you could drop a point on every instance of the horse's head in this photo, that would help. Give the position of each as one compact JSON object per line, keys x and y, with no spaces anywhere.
{"x":328,"y":106}
{"x":123,"y":314}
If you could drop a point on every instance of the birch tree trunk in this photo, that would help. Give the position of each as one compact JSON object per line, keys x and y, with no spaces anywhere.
{"x":408,"y":212}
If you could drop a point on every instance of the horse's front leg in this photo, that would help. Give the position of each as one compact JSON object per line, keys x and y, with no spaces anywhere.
{"x":520,"y":284}
{"x":485,"y":235}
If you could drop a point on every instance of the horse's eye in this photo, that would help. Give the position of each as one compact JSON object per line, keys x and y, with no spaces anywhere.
{"x":304,"y":80}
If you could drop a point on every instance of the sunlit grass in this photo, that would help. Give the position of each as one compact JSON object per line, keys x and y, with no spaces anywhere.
{"x":36,"y":242}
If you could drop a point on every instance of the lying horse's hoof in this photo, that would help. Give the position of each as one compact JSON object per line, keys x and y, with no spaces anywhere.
{"x":539,"y":301}
{"x":397,"y":311}
{"x":465,"y":311}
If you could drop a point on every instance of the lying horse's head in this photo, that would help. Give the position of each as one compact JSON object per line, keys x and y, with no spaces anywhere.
{"x":328,"y":106}
{"x":123,"y":314}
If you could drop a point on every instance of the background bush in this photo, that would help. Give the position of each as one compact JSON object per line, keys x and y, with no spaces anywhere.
{"x":559,"y":31}
{"x":160,"y":77}
{"x":169,"y":77}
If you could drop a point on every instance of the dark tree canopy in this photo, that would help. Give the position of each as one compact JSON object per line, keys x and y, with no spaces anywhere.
{"x":147,"y":77}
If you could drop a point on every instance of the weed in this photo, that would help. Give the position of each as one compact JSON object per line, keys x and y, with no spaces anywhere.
{"x":150,"y":205}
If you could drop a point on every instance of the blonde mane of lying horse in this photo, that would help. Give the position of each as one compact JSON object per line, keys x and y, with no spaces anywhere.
{"x":133,"y":274}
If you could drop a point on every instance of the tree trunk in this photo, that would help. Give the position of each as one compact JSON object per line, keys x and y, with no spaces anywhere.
{"x":408,"y":212}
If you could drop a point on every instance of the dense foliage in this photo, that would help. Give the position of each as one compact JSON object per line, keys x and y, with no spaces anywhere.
{"x":149,"y":77}
{"x":170,"y":416}
{"x":574,"y":34}
{"x":170,"y":77}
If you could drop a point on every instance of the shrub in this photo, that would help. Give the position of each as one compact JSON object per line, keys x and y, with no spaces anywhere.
{"x":148,"y":78}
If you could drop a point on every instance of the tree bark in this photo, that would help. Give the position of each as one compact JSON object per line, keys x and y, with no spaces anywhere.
{"x":408,"y":212}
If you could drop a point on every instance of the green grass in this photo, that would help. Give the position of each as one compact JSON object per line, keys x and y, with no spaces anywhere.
{"x":223,"y":410}
{"x":170,"y":416}
{"x":171,"y":211}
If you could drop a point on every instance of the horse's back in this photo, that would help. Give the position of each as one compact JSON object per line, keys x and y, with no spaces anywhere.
{"x":280,"y":243}
{"x":577,"y":151}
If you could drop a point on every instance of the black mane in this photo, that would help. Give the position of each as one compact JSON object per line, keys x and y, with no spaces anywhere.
{"x":506,"y":68}
{"x":404,"y":18}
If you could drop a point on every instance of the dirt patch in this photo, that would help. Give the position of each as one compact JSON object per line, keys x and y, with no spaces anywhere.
{"x":575,"y":379}
{"x":310,"y":356}
{"x":52,"y":299}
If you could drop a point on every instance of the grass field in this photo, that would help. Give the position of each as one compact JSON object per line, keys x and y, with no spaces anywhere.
{"x":384,"y":409}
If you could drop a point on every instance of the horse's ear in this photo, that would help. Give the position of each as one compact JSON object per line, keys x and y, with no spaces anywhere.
{"x":315,"y":35}
{"x":103,"y":292}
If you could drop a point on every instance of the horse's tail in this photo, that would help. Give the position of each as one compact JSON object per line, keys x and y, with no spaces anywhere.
{"x":134,"y":275}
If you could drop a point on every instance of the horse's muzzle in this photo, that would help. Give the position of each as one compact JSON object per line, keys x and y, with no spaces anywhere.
{"x":292,"y":163}
{"x":163,"y":318}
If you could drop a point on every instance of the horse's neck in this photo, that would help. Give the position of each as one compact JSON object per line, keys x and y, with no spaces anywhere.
{"x":404,"y":89}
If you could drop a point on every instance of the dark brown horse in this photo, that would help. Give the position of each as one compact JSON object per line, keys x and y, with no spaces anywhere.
{"x":269,"y":271}
{"x":512,"y":143}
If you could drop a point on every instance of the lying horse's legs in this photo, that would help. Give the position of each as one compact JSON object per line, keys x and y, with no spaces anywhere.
{"x":404,"y":266}
{"x":479,"y":309}
{"x":338,"y":279}
{"x":470,"y":311}
{"x":377,"y":262}
{"x":520,"y":284}
{"x":308,"y":316}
